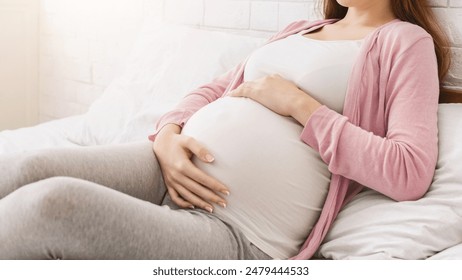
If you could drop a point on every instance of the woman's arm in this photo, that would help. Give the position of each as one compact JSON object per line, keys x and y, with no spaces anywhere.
{"x":401,"y":164}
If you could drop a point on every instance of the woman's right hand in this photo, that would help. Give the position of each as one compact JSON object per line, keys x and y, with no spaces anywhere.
{"x":187,"y":185}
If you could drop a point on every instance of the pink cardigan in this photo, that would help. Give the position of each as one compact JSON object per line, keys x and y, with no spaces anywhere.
{"x":386,"y":138}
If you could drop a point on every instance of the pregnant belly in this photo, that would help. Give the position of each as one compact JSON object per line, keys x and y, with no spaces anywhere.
{"x":278,"y":184}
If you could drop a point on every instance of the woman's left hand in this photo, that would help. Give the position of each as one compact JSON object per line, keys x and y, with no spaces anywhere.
{"x":279,"y":95}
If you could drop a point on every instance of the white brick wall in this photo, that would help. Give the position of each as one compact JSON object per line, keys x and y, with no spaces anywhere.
{"x":83,"y":42}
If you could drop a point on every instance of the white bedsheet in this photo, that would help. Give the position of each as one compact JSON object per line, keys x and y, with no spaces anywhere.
{"x":46,"y":135}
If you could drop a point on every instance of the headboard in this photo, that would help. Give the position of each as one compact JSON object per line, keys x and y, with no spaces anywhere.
{"x":450,"y":96}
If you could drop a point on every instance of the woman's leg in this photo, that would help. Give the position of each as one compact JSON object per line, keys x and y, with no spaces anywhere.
{"x":130,"y":168}
{"x":68,"y":218}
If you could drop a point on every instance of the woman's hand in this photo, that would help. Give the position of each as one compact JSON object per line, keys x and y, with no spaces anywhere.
{"x":187,"y":185}
{"x":279,"y":95}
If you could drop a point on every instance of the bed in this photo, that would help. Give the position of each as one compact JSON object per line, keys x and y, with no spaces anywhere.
{"x":371,"y":226}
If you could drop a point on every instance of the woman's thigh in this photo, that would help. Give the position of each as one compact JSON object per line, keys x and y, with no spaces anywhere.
{"x":68,"y":218}
{"x":130,"y":168}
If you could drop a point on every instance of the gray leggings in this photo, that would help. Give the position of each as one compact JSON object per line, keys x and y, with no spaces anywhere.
{"x":105,"y":202}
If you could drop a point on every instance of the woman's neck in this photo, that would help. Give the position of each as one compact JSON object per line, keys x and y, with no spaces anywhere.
{"x":373,"y":15}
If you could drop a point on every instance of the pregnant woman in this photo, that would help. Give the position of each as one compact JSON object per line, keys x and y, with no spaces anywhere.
{"x":255,"y":164}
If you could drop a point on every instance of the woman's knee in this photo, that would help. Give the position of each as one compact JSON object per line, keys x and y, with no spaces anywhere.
{"x":56,"y":198}
{"x":49,"y":218}
{"x":18,"y":170}
{"x":34,"y":165}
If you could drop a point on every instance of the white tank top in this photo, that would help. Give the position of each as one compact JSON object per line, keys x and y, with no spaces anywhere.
{"x":278,"y":184}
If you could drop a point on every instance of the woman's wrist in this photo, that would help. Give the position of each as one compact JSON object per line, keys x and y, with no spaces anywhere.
{"x":169,"y":129}
{"x":303,"y":107}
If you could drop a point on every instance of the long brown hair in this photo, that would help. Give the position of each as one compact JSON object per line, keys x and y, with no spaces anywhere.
{"x":413,"y":11}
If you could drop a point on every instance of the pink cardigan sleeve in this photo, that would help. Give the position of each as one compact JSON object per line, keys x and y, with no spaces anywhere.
{"x":401,"y":164}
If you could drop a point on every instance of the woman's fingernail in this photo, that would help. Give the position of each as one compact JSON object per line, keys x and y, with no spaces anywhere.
{"x":209,"y":158}
{"x":209,"y":209}
{"x":222,"y":204}
{"x":192,"y":207}
{"x":225,"y":192}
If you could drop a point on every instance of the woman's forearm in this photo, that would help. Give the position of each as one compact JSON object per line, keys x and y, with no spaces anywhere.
{"x":303,"y":107}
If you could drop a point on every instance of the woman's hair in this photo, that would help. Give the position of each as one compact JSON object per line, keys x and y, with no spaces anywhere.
{"x":414,"y":11}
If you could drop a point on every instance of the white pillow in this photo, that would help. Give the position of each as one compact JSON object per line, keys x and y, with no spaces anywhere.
{"x":166,"y":63}
{"x":373,"y":226}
